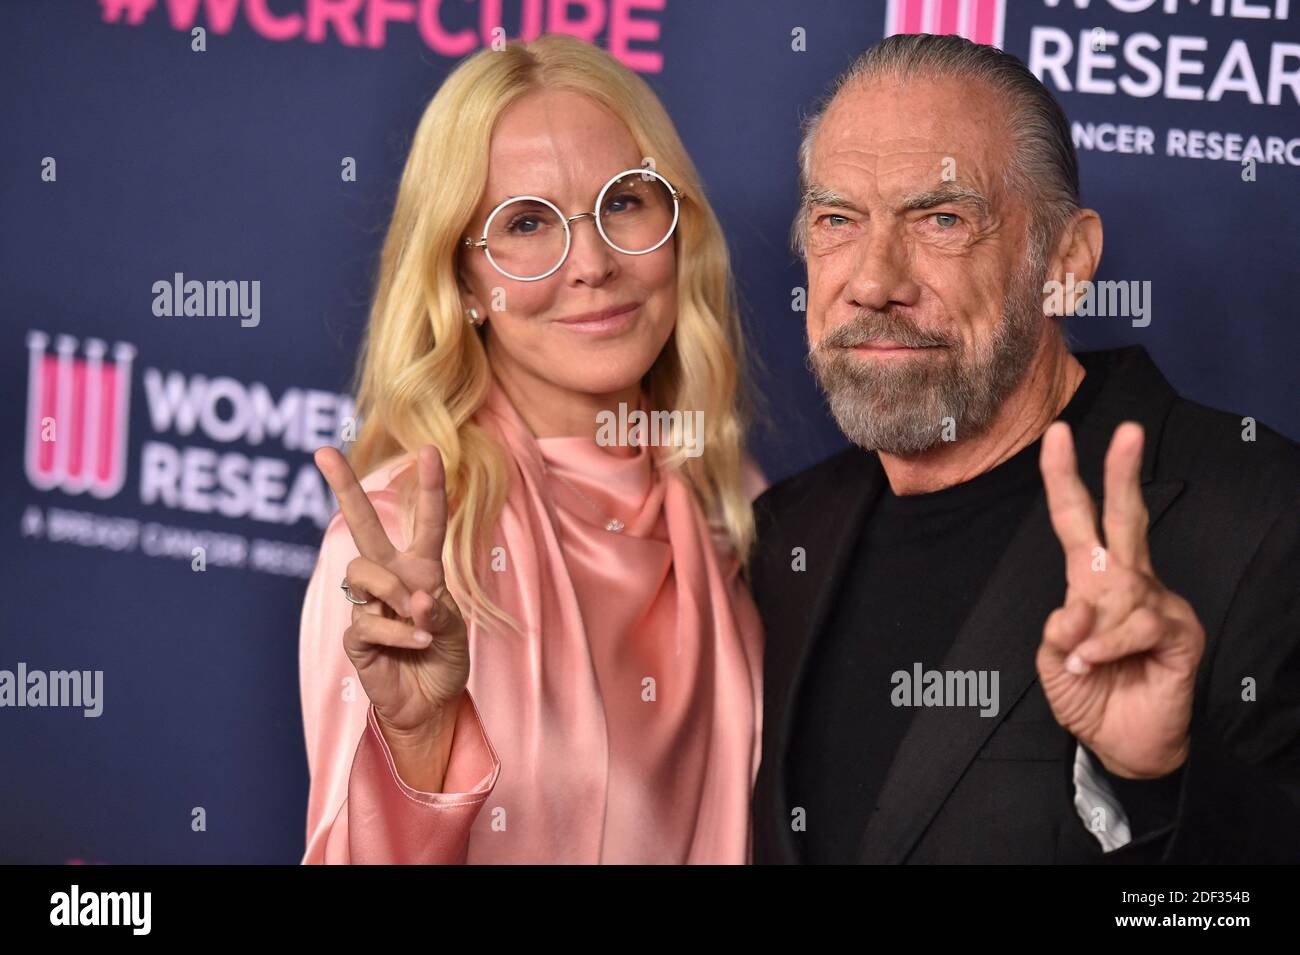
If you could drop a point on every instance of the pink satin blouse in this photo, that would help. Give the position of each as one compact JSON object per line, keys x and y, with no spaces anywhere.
{"x":622,"y":726}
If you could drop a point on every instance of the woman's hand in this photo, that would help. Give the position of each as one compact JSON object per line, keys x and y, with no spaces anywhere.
{"x":409,"y":643}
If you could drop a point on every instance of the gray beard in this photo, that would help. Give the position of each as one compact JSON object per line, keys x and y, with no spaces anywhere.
{"x":901,"y":406}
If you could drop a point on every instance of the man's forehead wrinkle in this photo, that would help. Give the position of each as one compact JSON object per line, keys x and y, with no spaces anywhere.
{"x":881,"y":154}
{"x":894,"y":178}
{"x":846,"y":160}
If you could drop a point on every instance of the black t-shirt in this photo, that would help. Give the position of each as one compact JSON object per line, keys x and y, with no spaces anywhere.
{"x":919,"y":566}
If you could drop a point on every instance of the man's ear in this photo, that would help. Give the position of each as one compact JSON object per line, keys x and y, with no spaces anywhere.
{"x":1074,"y":260}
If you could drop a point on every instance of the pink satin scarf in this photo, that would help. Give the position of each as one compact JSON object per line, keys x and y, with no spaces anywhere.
{"x":627,"y":718}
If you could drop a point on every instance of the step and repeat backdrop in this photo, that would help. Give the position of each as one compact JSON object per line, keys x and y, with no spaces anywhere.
{"x":148,"y":710}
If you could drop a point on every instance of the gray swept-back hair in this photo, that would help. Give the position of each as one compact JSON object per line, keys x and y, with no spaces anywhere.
{"x":1043,"y":164}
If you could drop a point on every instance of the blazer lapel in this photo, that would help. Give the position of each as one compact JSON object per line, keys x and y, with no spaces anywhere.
{"x":832,"y":529}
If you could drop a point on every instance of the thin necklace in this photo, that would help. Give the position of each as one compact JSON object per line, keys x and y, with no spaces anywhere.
{"x":612,"y":524}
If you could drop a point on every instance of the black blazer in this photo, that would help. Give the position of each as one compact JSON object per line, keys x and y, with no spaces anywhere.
{"x":1225,"y":534}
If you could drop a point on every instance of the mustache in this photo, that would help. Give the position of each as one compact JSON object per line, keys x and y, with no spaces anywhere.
{"x":867,"y":327}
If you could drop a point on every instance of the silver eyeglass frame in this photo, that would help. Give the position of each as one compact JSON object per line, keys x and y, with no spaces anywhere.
{"x":468,"y":242}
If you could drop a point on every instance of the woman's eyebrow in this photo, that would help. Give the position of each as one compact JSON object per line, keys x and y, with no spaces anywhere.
{"x":505,"y":197}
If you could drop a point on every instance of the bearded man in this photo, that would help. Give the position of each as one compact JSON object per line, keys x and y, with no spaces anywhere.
{"x":1044,"y":610}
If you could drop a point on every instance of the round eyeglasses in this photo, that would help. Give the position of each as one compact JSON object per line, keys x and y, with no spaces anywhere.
{"x":527,"y":238}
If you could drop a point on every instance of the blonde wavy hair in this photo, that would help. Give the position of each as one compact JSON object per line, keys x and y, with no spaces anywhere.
{"x":423,"y":371}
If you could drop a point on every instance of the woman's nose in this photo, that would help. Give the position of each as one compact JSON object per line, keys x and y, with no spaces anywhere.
{"x":591,"y":260}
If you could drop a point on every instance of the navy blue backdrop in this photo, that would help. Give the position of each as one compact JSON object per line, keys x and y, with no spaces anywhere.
{"x":130,"y":157}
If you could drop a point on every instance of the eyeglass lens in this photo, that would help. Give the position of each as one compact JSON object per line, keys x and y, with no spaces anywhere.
{"x":526,"y":238}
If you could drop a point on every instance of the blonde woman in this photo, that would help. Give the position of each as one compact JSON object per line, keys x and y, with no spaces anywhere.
{"x":525,"y":642}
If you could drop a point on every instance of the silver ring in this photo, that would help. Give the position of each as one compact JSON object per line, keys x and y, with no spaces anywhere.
{"x":347,"y":592}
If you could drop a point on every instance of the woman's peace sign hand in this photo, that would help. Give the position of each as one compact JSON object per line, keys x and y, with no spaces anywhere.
{"x":409,"y":642}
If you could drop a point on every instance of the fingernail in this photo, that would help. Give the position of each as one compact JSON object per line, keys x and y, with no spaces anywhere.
{"x":423,"y":638}
{"x":1077,"y":665}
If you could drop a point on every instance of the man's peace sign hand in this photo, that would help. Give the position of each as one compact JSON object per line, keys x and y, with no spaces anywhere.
{"x":1118,"y":660}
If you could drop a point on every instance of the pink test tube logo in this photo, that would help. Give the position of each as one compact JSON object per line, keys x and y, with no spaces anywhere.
{"x":77,"y":411}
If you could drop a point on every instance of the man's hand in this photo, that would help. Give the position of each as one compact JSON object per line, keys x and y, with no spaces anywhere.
{"x":1118,"y":660}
